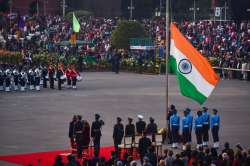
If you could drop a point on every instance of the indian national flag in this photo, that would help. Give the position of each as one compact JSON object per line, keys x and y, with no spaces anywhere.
{"x":195,"y":75}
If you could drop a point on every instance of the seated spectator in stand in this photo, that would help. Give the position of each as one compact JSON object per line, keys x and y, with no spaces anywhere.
{"x":228,"y":151}
{"x":146,"y":161}
{"x":177,"y":161}
{"x":72,"y":161}
{"x":95,"y":159}
{"x":169,"y":160}
{"x":152,"y":156}
{"x":144,"y":144}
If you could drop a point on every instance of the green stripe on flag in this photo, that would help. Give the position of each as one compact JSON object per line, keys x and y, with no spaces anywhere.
{"x":76,"y":24}
{"x":186,"y":87}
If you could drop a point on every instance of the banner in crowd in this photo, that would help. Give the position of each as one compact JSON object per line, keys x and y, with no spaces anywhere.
{"x":141,"y":44}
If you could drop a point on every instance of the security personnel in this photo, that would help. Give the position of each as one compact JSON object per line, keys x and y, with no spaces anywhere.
{"x":190,"y":122}
{"x":152,"y":128}
{"x":118,"y":133}
{"x":72,"y":131}
{"x":174,"y":128}
{"x":185,"y":129}
{"x":215,"y":126}
{"x":198,"y":129}
{"x":44,"y":76}
{"x":51,"y":72}
{"x":140,"y":125}
{"x":79,"y":136}
{"x":169,"y":114}
{"x":206,"y":126}
{"x":96,"y":133}
{"x":130,"y":128}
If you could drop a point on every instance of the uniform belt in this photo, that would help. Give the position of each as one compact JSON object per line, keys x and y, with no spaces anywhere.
{"x":175,"y":124}
{"x":198,"y":125}
{"x":78,"y":132}
{"x":215,"y":124}
{"x":205,"y":122}
{"x":185,"y":126}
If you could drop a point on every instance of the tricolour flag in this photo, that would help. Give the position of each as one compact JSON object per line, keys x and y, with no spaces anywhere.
{"x":195,"y":75}
{"x":76,"y":24}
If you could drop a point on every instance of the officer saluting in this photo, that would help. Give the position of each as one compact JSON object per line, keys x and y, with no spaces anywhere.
{"x":198,"y":128}
{"x":185,"y":129}
{"x":118,"y":133}
{"x":174,"y":128}
{"x":215,"y":126}
{"x":140,"y":125}
{"x":96,"y":132}
{"x":206,"y":126}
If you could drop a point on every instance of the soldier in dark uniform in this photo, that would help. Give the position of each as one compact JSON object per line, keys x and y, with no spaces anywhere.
{"x":144,"y":144}
{"x":51,"y":72}
{"x":140,"y":125}
{"x":44,"y":76}
{"x":79,"y":136}
{"x":152,"y":128}
{"x":169,"y":114}
{"x":118,"y":133}
{"x":96,"y":132}
{"x":206,"y":126}
{"x":117,"y":59}
{"x":130,"y":128}
{"x":59,"y":74}
{"x":72,"y":131}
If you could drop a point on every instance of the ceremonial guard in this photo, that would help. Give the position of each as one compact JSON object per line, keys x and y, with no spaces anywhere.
{"x":79,"y":135}
{"x":51,"y":72}
{"x":15,"y":79}
{"x":190,"y":122}
{"x":206,"y":126}
{"x":169,"y":114}
{"x":44,"y":76}
{"x":22,"y":80}
{"x":37,"y":79}
{"x":215,"y":126}
{"x":60,"y":77}
{"x":130,"y":128}
{"x":118,"y":133}
{"x":73,"y":75}
{"x":140,"y":125}
{"x":7,"y":80}
{"x":72,"y":131}
{"x":199,"y":129}
{"x":31,"y":79}
{"x":68,"y":72}
{"x":96,"y":132}
{"x":1,"y":80}
{"x":185,"y":129}
{"x":174,"y":128}
{"x":152,"y":128}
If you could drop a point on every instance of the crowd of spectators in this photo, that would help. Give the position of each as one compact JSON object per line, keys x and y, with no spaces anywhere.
{"x":227,"y":43}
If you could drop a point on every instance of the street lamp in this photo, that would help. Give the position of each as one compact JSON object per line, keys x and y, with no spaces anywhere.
{"x":194,"y":9}
{"x":131,"y":8}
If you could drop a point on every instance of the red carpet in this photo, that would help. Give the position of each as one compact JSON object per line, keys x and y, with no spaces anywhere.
{"x":46,"y":158}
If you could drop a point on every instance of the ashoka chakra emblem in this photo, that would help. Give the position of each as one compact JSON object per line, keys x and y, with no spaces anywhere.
{"x":185,"y":66}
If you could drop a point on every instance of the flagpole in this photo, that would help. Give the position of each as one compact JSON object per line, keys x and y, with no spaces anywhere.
{"x":167,"y":55}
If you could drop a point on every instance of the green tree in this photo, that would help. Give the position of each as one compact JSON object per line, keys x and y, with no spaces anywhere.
{"x":124,"y":31}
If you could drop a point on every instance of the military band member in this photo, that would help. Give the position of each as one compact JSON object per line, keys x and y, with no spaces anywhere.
{"x":174,"y":128}
{"x":51,"y":72}
{"x":37,"y":79}
{"x":1,"y":80}
{"x":140,"y":125}
{"x":96,"y":133}
{"x":185,"y":129}
{"x":68,"y":72}
{"x":59,"y":75}
{"x":79,"y":135}
{"x":31,"y":79}
{"x":44,"y":76}
{"x":215,"y":126}
{"x":206,"y":126}
{"x":22,"y":80}
{"x":7,"y":80}
{"x":130,"y":128}
{"x":73,"y":75}
{"x":118,"y":133}
{"x":72,"y":131}
{"x":15,"y":78}
{"x":198,"y":129}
